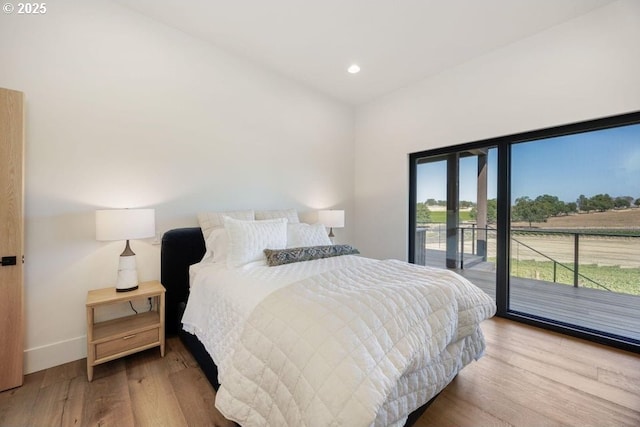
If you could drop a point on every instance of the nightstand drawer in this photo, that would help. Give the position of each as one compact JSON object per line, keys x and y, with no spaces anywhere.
{"x":126,"y":343}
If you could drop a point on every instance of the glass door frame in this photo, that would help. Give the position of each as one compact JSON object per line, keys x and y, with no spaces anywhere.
{"x":503,"y":232}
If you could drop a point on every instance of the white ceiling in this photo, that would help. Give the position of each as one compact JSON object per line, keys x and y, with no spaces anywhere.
{"x":396,"y":42}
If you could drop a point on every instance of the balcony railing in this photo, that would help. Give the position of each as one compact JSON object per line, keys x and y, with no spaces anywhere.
{"x":434,"y":237}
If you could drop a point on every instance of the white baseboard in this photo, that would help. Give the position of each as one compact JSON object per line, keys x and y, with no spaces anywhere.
{"x":58,"y":353}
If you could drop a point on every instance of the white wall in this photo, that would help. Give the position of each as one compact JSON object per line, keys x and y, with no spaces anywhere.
{"x":123,"y":111}
{"x":583,"y":69}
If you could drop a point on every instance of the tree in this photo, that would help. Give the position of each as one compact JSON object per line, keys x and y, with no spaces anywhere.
{"x":637,"y":202}
{"x":570,"y":207}
{"x":465,"y":204}
{"x":492,"y":211}
{"x":423,"y":214}
{"x":529,"y":210}
{"x":584,"y":204}
{"x":622,"y":202}
{"x":601,"y":202}
{"x":551,"y":205}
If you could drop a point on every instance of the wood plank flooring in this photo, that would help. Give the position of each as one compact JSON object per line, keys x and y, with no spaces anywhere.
{"x":528,"y":377}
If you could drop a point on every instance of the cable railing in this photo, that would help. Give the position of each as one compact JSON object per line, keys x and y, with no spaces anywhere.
{"x":475,"y":257}
{"x":576,"y":273}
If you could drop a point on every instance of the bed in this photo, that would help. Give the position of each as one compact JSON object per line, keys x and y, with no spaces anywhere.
{"x":290,"y":361}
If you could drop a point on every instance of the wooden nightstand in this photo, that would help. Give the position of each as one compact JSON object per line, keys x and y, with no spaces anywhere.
{"x":120,"y":337}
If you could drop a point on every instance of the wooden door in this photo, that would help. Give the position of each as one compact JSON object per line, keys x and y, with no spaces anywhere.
{"x":11,"y":238}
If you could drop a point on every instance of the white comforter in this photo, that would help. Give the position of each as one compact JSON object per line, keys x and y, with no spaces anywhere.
{"x":342,"y":341}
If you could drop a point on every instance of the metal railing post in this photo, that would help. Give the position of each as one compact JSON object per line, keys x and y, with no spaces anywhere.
{"x":473,"y":239}
{"x":576,"y":259}
{"x":461,"y":248}
{"x":421,"y":247}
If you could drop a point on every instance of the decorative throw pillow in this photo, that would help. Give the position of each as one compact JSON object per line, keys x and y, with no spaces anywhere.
{"x":248,"y":239}
{"x":300,"y":235}
{"x":290,"y":255}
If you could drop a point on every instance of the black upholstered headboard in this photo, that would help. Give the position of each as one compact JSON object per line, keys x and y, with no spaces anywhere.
{"x":181,"y":247}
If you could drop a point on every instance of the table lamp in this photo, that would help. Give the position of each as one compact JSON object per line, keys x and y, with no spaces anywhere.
{"x":331,"y":218}
{"x":125,"y":224}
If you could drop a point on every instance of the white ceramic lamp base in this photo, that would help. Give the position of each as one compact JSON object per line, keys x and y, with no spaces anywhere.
{"x":127,"y":274}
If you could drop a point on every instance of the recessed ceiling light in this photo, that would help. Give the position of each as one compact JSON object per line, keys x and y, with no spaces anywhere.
{"x":354,"y":69}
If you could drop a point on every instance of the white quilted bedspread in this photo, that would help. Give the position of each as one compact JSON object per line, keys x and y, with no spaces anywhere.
{"x":221,"y":299}
{"x":361,"y":345}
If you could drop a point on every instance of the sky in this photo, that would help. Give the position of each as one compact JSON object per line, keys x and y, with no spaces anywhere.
{"x":605,"y":161}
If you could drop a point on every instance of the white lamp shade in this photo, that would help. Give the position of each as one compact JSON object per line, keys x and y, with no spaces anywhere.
{"x":125,"y":224}
{"x":331,"y":218}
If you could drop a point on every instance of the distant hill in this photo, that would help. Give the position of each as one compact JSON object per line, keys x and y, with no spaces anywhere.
{"x":624,"y":218}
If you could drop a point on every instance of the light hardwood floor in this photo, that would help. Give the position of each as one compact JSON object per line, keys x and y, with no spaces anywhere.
{"x":528,"y":377}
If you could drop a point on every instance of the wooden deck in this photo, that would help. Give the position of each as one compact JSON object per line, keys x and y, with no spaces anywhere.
{"x":600,"y":310}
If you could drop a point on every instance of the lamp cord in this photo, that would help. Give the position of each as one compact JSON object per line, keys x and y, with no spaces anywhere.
{"x":150,"y":306}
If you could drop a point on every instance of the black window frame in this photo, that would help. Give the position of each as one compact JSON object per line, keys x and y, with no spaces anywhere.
{"x":503,"y":145}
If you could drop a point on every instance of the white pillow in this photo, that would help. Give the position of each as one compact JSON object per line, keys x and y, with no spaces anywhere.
{"x":217,"y":246}
{"x":290,"y":214}
{"x":301,"y":235}
{"x":209,"y":221}
{"x":248,"y":239}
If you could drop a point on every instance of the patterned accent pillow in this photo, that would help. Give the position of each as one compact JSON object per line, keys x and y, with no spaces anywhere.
{"x":287,"y":256}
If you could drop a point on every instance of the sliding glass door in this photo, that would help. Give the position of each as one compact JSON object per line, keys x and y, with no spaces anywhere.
{"x":547,"y":222}
{"x":575,"y":229}
{"x":455,"y":213}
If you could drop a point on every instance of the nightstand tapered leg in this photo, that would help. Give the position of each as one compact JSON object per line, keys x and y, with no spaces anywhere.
{"x":91,"y":357}
{"x":162,"y":333}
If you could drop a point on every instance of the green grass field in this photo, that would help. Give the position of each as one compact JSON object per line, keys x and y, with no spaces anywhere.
{"x":616,"y":279}
{"x":612,"y":223}
{"x":440,"y":217}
